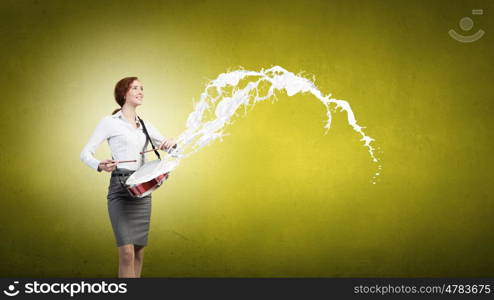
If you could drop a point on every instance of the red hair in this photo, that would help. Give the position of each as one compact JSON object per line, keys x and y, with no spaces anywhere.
{"x":121,"y":89}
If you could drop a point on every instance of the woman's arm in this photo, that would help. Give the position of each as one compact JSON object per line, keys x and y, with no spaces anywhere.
{"x":158,"y":140}
{"x":99,"y":135}
{"x":156,"y":137}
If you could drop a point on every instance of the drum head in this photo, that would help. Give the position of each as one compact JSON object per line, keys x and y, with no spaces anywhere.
{"x":145,"y":173}
{"x":151,"y":170}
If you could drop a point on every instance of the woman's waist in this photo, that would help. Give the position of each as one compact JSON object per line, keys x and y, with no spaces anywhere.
{"x":122,"y":172}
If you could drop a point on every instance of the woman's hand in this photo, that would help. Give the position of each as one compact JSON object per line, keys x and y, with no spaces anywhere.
{"x":107,"y":165}
{"x":167,"y":144}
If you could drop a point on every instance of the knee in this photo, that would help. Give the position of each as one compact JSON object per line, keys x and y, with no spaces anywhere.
{"x":127,"y":254}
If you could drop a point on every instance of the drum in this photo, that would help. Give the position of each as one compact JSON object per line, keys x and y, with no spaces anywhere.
{"x":146,"y":179}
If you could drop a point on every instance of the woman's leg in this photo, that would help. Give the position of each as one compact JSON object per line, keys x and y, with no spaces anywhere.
{"x":138,"y":257}
{"x":126,"y":261}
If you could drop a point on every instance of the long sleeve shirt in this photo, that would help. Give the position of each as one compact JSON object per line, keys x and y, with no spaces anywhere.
{"x":125,"y":141}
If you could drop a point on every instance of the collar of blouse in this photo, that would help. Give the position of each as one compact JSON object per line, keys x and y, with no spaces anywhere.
{"x":121,"y":116}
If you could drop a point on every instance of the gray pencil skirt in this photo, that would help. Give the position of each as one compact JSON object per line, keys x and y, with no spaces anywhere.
{"x":129,"y":216}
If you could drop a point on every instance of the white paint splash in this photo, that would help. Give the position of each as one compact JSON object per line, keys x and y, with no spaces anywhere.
{"x":225,"y":95}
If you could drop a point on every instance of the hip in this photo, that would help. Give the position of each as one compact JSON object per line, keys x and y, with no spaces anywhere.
{"x":117,"y":189}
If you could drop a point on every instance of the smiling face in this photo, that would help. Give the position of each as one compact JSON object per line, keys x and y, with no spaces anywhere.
{"x":135,"y":94}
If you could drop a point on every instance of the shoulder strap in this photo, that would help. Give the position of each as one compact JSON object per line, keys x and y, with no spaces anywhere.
{"x":147,"y":135}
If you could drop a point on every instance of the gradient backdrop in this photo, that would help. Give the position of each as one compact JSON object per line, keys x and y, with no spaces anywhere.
{"x":277,"y":197}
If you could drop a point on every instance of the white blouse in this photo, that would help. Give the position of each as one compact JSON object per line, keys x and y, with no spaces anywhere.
{"x":125,"y":141}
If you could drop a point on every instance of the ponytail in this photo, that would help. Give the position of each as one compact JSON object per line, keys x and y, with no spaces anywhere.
{"x":116,"y":110}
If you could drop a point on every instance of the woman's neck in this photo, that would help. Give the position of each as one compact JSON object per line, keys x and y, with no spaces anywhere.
{"x":129,"y":112}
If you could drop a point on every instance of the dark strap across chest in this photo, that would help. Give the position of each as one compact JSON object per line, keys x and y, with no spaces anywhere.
{"x":149,"y":138}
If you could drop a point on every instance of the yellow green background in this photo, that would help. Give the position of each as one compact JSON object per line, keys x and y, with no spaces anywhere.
{"x":278,"y":197}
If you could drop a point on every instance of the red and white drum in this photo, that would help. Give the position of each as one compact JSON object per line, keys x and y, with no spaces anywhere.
{"x":146,"y":179}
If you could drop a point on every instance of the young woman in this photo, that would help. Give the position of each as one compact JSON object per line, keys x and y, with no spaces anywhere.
{"x":130,"y":217}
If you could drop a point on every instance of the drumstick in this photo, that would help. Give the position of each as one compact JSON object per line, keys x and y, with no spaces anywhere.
{"x":121,"y":161}
{"x":125,"y":161}
{"x":174,"y":146}
{"x":148,"y":151}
